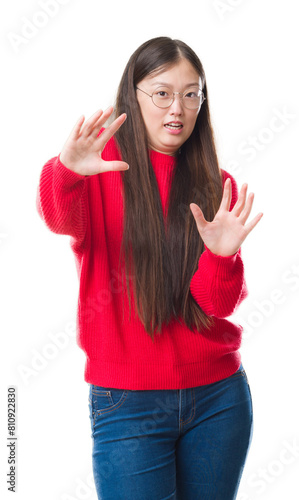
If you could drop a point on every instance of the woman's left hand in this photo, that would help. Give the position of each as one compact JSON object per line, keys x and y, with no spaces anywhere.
{"x":225,"y":234}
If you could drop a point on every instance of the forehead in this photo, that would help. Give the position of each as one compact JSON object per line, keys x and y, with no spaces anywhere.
{"x":181,"y":74}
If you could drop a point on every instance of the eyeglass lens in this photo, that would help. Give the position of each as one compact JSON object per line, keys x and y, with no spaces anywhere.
{"x":192,"y":97}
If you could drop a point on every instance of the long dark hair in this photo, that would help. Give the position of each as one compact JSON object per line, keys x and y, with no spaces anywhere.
{"x":162,"y":260}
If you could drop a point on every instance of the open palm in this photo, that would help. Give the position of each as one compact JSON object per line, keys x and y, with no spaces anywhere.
{"x":225,"y":234}
{"x":82,"y":150}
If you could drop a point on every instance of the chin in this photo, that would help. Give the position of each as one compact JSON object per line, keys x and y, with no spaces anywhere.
{"x":173,"y":143}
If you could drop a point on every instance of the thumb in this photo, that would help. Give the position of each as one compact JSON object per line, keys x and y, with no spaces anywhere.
{"x":198,"y":216}
{"x":109,"y":166}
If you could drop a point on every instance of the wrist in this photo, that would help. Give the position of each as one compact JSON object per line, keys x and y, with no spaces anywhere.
{"x":221,"y":254}
{"x":69,"y":172}
{"x":67,"y":164}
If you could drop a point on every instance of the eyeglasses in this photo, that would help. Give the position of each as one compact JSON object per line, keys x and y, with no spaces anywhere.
{"x":163,"y":97}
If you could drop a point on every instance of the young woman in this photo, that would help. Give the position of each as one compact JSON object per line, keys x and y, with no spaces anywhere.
{"x":156,"y":228}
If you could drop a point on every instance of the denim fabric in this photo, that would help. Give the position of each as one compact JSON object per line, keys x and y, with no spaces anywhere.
{"x":181,"y":444}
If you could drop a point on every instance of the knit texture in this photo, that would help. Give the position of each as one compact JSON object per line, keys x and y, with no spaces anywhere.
{"x":119,"y":352}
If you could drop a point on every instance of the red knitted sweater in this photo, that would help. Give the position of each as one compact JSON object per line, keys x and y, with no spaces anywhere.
{"x":119,"y":352}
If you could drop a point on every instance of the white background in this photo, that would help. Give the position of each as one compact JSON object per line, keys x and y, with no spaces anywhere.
{"x":72,"y":66}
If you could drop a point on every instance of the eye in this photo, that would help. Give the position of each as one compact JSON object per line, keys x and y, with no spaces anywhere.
{"x":162,"y":94}
{"x":191,"y":94}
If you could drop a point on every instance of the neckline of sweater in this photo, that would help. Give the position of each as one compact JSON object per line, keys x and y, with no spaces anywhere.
{"x":162,"y":159}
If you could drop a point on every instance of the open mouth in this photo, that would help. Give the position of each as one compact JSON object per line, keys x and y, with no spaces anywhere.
{"x":173,"y":126}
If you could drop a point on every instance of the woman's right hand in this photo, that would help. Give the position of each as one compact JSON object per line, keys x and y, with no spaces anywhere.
{"x":82,"y":150}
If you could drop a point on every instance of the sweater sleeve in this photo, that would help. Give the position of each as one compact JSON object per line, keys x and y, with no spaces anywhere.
{"x":62,"y":199}
{"x":218,"y":285}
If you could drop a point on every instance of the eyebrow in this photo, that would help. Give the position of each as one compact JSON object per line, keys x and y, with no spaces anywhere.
{"x":168,"y":85}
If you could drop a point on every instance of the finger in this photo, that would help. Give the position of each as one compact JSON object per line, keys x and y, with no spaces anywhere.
{"x":226,"y":196}
{"x":239,"y":206}
{"x":198,"y":216}
{"x":246,"y":209}
{"x":101,"y":121}
{"x":114,"y":165}
{"x":98,"y":116}
{"x":249,"y":227}
{"x":76,"y":129}
{"x":110,"y":131}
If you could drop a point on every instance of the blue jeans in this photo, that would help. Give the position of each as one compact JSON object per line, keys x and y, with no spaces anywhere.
{"x":180,"y":444}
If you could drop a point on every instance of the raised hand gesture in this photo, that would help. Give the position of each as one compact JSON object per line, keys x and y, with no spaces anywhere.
{"x":82,"y":150}
{"x":225,"y":234}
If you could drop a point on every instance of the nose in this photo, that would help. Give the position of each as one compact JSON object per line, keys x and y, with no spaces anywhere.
{"x":177,"y":105}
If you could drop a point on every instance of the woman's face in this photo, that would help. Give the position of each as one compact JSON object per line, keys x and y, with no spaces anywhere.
{"x":163,"y":137}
